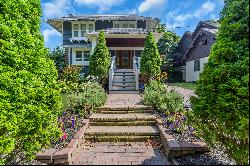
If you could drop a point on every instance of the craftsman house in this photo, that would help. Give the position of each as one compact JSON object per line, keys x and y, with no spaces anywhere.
{"x":125,"y":37}
{"x":195,"y":49}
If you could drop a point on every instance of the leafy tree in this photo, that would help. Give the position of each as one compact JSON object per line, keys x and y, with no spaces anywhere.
{"x":167,"y":46}
{"x":57,"y":56}
{"x":160,"y":28}
{"x":29,"y":96}
{"x":221,"y":109}
{"x":100,"y":60}
{"x":150,"y":59}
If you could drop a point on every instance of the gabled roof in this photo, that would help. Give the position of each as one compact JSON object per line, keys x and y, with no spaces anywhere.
{"x":57,"y":22}
{"x":203,"y":28}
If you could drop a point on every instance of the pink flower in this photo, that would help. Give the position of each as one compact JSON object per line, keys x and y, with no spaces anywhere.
{"x":64,"y":137}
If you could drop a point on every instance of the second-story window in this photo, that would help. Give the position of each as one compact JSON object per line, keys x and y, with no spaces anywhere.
{"x":80,"y":29}
{"x":91,"y":27}
{"x":75,"y":27}
{"x":83,"y":29}
{"x":116,"y":26}
{"x":124,"y":24}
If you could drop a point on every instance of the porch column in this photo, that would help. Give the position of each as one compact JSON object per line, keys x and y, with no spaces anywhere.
{"x":94,"y":43}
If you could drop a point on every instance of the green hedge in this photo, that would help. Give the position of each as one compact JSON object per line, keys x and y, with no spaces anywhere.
{"x":221,"y":111}
{"x":29,"y":95}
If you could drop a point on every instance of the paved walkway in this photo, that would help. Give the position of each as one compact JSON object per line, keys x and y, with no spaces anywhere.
{"x":121,"y":153}
{"x":123,"y":99}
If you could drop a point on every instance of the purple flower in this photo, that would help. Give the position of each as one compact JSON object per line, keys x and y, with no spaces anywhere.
{"x":73,"y":122}
{"x":183,"y":118}
{"x":192,"y":129}
{"x":171,"y":126}
{"x":64,"y":113}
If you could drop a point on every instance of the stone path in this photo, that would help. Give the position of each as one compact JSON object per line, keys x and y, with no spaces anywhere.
{"x":121,"y":153}
{"x":123,"y":99}
{"x":125,"y":121}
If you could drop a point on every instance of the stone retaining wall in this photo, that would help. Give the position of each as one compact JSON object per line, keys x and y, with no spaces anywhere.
{"x":65,"y":156}
{"x":175,"y":148}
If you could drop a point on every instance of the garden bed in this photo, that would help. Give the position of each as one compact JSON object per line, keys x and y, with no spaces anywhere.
{"x":66,"y":153}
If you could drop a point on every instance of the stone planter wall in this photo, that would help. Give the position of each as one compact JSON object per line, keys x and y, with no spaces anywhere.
{"x":65,"y":156}
{"x":175,"y":148}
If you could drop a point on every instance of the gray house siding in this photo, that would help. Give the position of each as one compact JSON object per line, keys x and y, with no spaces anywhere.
{"x":112,"y":52}
{"x":141,"y":24}
{"x":99,"y":25}
{"x":67,"y":32}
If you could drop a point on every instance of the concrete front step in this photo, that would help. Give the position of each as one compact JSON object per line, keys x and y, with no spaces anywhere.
{"x":124,"y":84}
{"x":123,"y":77}
{"x":121,"y":133}
{"x":126,"y":80}
{"x":124,"y":70}
{"x":123,"y":92}
{"x":123,"y":88}
{"x":123,"y":74}
{"x":129,"y":117}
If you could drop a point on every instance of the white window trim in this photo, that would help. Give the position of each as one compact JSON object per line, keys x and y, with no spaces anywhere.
{"x":82,"y":63}
{"x":79,"y":27}
{"x":124,"y":22}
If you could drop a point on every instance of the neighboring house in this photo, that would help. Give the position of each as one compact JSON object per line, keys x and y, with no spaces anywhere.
{"x":125,"y":37}
{"x":195,"y":49}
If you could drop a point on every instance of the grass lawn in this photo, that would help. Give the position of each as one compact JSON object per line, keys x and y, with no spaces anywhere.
{"x":186,"y":85}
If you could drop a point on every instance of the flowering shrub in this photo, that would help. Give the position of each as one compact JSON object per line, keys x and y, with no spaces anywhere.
{"x":158,"y":96}
{"x":70,"y":74}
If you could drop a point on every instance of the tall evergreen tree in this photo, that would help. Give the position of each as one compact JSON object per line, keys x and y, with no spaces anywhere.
{"x":221,"y":111}
{"x":100,"y":60}
{"x":29,"y":95}
{"x":150,"y":60}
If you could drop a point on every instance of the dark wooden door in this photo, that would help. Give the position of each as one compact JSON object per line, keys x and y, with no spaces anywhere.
{"x":124,"y":59}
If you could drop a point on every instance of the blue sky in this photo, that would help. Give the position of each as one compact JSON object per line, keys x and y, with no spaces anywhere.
{"x":178,"y":15}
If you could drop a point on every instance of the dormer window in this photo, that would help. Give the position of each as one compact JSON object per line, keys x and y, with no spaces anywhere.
{"x":124,"y":24}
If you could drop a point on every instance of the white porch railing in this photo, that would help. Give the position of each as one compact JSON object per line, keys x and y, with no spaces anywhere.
{"x":136,"y":66}
{"x":111,"y":72}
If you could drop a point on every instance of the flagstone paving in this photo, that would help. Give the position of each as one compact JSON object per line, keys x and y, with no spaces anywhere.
{"x":121,"y":153}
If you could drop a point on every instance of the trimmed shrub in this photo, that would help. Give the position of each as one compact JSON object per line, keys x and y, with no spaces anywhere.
{"x":150,"y":59}
{"x":88,"y":96}
{"x":158,"y":96}
{"x":100,"y":60}
{"x":221,"y":111}
{"x":29,"y":95}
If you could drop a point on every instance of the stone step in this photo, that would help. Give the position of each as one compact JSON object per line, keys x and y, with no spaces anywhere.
{"x":124,"y":84}
{"x":125,"y":112}
{"x":123,"y":108}
{"x":123,"y":88}
{"x":120,"y":138}
{"x":129,"y":117}
{"x":123,"y":77}
{"x":125,"y":123}
{"x":124,"y":70}
{"x":126,"y":80}
{"x":121,"y":133}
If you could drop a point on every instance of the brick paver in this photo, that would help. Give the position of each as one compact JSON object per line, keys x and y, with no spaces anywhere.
{"x":121,"y":153}
{"x":123,"y":99}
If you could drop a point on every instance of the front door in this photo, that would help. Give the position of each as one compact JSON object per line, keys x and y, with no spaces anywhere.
{"x":124,"y":59}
